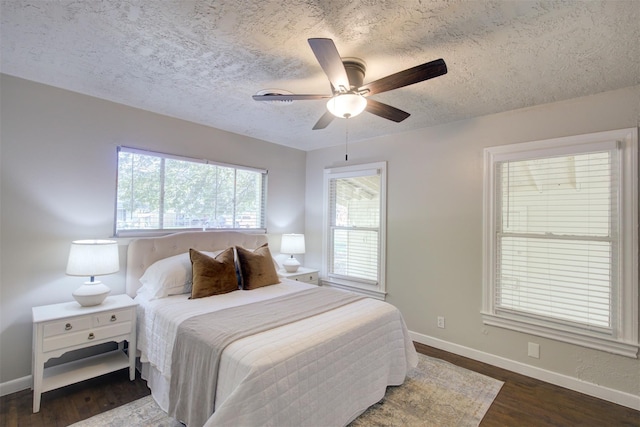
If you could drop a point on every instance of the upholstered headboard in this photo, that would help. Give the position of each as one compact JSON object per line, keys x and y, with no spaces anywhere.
{"x":145,"y":251}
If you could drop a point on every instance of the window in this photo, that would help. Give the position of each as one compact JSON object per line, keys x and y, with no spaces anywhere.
{"x":354,"y":238}
{"x":158,"y":192}
{"x":561,"y":239}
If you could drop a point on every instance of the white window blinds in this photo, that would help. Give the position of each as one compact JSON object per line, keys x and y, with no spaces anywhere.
{"x":560,"y":239}
{"x":355,"y":200}
{"x":354,"y":205}
{"x":556,"y":225}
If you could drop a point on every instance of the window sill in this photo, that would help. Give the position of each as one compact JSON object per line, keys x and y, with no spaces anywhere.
{"x":137,"y":233}
{"x":607,"y":344}
{"x":353,"y":287}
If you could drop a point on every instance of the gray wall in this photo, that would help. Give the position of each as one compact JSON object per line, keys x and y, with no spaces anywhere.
{"x":58,"y":184}
{"x":58,"y":154}
{"x":434,"y":220}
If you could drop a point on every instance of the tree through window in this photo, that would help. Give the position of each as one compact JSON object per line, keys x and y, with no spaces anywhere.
{"x":158,"y":191}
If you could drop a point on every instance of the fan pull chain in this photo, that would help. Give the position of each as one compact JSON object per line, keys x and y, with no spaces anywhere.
{"x":346,"y":139}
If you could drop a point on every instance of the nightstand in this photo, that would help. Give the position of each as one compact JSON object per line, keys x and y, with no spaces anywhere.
{"x":59,"y":328}
{"x":307,"y":275}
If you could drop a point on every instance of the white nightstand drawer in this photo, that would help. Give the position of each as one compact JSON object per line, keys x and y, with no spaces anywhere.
{"x":307,"y":278}
{"x":112,"y":317}
{"x":306,"y":275}
{"x":68,"y":326}
{"x":86,"y":336}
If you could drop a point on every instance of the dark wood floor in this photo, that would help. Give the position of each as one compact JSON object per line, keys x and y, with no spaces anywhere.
{"x":522,"y":401}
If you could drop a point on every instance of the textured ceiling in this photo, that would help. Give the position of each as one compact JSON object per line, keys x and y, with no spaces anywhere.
{"x":202,"y":60}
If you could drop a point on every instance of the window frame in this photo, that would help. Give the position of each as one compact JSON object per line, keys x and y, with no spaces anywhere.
{"x":378,"y":289}
{"x":624,"y":337}
{"x":138,"y":232}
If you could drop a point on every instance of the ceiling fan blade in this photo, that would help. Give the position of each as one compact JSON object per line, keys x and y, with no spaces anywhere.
{"x":407,"y":77}
{"x":327,"y":55}
{"x":385,"y":111}
{"x":277,"y":97}
{"x":324,"y":121}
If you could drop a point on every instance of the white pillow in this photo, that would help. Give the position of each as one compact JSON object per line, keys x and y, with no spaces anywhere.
{"x":169,"y":276}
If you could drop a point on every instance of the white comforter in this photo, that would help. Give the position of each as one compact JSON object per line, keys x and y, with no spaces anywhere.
{"x":321,"y":371}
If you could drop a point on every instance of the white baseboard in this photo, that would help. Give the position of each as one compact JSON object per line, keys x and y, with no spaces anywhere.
{"x":591,"y":389}
{"x":16,"y":385}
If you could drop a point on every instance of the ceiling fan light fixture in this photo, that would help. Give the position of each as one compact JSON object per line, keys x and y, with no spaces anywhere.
{"x":346,"y":105}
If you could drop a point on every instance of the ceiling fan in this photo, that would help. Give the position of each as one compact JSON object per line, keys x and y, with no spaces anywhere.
{"x":349,"y":95}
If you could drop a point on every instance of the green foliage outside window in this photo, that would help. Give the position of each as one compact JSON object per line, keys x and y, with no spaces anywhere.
{"x":163,"y":192}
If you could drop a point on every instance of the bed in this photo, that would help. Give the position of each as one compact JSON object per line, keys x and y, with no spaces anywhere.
{"x":320,"y":370}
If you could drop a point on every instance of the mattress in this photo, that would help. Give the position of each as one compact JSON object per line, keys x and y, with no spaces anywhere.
{"x":322,"y":370}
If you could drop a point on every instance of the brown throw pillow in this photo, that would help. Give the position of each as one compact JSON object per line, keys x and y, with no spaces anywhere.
{"x":213,"y":276}
{"x":256,"y":267}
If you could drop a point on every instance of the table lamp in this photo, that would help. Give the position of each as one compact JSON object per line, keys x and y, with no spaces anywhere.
{"x":292,"y":244}
{"x":92,"y":258}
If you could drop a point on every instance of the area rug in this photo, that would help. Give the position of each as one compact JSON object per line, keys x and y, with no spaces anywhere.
{"x":436,"y":393}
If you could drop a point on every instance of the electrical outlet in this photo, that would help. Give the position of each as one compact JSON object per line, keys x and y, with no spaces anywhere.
{"x":533,"y":350}
{"x":441,"y":322}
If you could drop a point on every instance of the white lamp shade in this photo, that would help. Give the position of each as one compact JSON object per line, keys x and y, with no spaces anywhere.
{"x":93,"y":258}
{"x":292,"y":244}
{"x":347,"y":105}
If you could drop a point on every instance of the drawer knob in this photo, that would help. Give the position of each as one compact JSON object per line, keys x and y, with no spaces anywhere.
{"x":68,"y":327}
{"x":113,"y":318}
{"x":91,"y":336}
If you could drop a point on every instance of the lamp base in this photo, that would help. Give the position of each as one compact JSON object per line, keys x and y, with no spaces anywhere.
{"x":91,"y":293}
{"x":291,"y":265}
